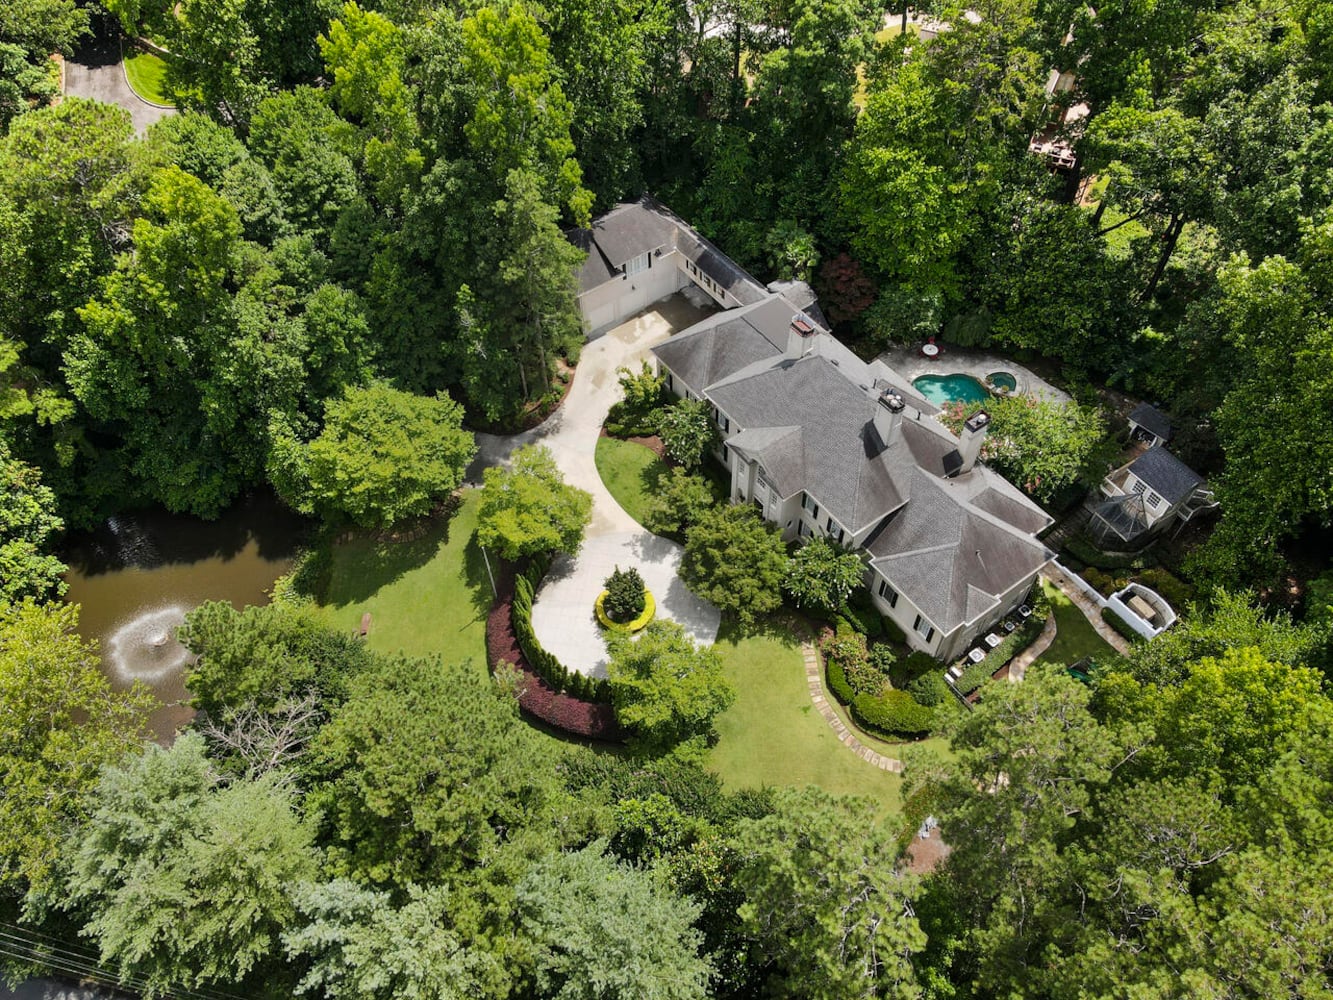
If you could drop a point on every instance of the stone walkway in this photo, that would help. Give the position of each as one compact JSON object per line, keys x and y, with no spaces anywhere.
{"x":816,"y":684}
{"x":1018,"y":666}
{"x":562,"y":614}
{"x":1092,"y":611}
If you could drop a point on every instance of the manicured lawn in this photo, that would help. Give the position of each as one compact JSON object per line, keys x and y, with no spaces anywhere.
{"x":1075,"y":637}
{"x":426,"y":595}
{"x":145,"y":72}
{"x":631,"y":473}
{"x":772,"y":734}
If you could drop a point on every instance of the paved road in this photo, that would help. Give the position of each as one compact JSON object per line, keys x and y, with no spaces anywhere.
{"x":562,"y":614}
{"x":96,"y":72}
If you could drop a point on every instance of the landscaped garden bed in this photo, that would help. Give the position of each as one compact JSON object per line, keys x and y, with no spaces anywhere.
{"x":536,"y":694}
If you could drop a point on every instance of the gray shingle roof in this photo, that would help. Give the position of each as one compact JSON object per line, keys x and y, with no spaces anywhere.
{"x":715,"y":349}
{"x":1166,"y":474}
{"x":1152,"y":420}
{"x":949,"y":561}
{"x":638,"y":227}
{"x":842,"y":460}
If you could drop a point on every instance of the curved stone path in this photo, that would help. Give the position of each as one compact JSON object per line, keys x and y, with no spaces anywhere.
{"x":815,"y":682}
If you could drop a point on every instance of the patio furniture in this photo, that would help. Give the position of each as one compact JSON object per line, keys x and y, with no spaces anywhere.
{"x":1009,"y":625}
{"x":992,"y":640}
{"x":975,"y":655}
{"x":954,"y":672}
{"x":930,"y":350}
{"x":1025,"y":611}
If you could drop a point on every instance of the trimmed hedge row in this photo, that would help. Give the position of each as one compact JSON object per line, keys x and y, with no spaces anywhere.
{"x":1019,"y":639}
{"x":544,"y":663}
{"x":894,"y":713}
{"x":535,"y":695}
{"x":1120,"y":625}
{"x":837,"y":681}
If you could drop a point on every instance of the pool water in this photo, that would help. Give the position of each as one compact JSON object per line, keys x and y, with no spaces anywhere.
{"x":956,"y":388}
{"x":1003,"y":380}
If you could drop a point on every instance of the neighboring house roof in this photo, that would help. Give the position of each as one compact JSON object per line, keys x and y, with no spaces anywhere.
{"x":1169,"y":476}
{"x":1152,"y":420}
{"x":634,"y":228}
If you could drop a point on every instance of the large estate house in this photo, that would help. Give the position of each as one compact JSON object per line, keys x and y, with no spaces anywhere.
{"x":823,"y":443}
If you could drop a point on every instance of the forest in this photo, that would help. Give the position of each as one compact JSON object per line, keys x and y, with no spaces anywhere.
{"x":355,"y":225}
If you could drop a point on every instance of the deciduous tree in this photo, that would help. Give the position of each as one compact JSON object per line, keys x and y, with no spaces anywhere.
{"x":382,"y":457}
{"x":527,"y":507}
{"x":821,"y":575}
{"x":735,"y":560}
{"x":62,"y":724}
{"x":664,"y":688}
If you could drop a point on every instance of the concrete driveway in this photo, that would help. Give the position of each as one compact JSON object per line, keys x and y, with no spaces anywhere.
{"x":96,"y":72}
{"x":562,"y":615}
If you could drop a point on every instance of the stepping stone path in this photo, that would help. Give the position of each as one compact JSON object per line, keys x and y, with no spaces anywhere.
{"x":821,"y":702}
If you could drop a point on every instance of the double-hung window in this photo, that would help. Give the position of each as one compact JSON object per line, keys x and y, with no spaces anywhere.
{"x":808,"y":504}
{"x":637,"y":265}
{"x":923,"y":628}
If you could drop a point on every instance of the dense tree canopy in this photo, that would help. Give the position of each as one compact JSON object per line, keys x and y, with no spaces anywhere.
{"x":61,"y":724}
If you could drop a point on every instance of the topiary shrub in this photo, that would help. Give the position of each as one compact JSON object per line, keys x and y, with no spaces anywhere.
{"x":624,"y":595}
{"x":930,"y":689}
{"x":895,"y":713}
{"x":837,"y":681}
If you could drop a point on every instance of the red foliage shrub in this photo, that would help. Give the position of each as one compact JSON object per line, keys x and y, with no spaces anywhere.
{"x":536,"y":697}
{"x":844,"y":289}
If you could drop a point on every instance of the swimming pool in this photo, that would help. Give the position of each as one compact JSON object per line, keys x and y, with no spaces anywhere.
{"x":955,"y":388}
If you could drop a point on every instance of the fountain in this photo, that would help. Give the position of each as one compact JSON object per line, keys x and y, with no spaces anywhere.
{"x":145,"y":647}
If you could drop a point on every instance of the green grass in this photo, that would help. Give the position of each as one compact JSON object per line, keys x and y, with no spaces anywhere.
{"x":426,"y":595}
{"x":1075,"y":637}
{"x":772,"y":735}
{"x":145,"y":72}
{"x":631,"y":473}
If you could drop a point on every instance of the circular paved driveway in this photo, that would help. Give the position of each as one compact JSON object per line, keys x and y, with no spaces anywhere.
{"x":563,"y":617}
{"x":562,"y":614}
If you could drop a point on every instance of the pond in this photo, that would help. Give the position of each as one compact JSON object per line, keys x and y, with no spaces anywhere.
{"x":956,"y":388}
{"x":137,"y":575}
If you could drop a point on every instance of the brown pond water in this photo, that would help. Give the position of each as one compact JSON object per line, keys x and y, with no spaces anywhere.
{"x":138,"y":574}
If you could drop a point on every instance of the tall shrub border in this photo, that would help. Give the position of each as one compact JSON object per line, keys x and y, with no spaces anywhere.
{"x":543,"y":662}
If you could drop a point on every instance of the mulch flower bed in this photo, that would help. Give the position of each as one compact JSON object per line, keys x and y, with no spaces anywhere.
{"x":536,"y":697}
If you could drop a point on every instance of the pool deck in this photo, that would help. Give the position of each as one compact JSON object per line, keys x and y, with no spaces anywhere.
{"x":911,"y":364}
